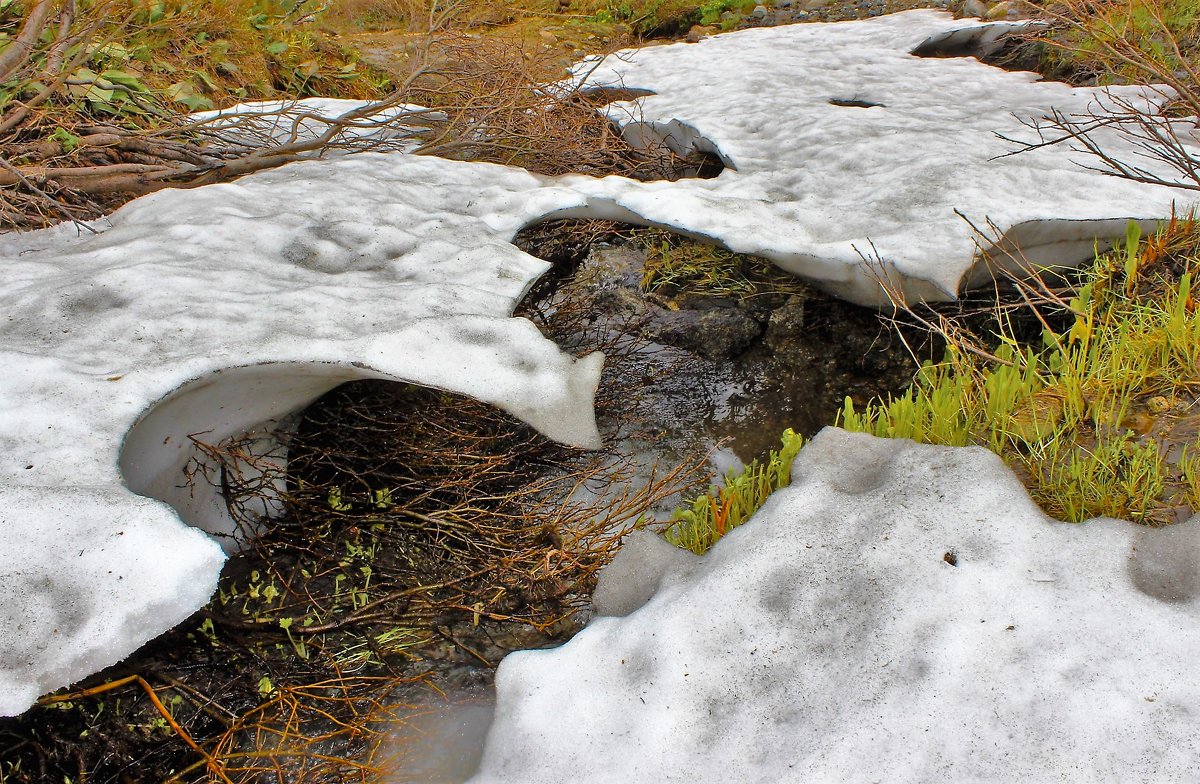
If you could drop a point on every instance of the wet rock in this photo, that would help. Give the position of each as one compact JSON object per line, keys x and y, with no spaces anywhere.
{"x":713,"y":334}
{"x":618,"y":303}
{"x":785,"y":329}
{"x":1002,"y":10}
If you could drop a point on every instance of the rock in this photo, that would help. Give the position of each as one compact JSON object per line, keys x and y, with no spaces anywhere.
{"x":713,"y":334}
{"x":759,"y":12}
{"x":698,"y":32}
{"x":976,"y":8}
{"x":618,"y":304}
{"x":729,"y":18}
{"x":815,"y":5}
{"x":785,"y":329}
{"x":1002,"y":10}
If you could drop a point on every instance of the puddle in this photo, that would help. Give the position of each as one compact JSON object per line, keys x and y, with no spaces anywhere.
{"x":732,"y":364}
{"x":440,"y":743}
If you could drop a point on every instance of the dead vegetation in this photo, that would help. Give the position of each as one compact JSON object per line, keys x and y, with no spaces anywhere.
{"x":418,"y":528}
{"x":95,"y":98}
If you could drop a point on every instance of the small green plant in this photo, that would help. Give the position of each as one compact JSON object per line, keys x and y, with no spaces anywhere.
{"x":675,"y":264}
{"x":710,"y":12}
{"x":699,"y":525}
{"x":1097,"y":421}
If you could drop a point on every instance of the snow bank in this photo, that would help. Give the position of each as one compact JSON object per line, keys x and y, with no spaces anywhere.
{"x":209,"y":313}
{"x":900,"y":613}
{"x":819,"y":187}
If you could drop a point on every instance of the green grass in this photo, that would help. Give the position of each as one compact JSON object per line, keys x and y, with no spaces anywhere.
{"x":698,"y":525}
{"x":676,"y":265}
{"x":1124,"y":41}
{"x":1099,"y":420}
{"x":1102,"y":419}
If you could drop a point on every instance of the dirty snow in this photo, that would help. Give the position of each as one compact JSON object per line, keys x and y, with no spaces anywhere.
{"x":831,"y":639}
{"x":218,"y":311}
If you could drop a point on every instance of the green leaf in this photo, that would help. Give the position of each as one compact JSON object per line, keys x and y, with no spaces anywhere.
{"x":125,"y":79}
{"x":185,"y":93}
{"x":69,"y":141}
{"x":114,"y":51}
{"x":277,"y":47}
{"x":206,"y":81}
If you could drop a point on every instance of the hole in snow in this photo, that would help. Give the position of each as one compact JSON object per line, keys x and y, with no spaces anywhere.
{"x":726,"y":347}
{"x":999,"y":44}
{"x":856,"y":103}
{"x":950,"y":558}
{"x":699,"y":156}
{"x":169,"y":452}
{"x":602,"y":96}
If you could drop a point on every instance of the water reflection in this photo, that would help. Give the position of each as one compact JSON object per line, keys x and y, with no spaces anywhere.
{"x":438,"y":743}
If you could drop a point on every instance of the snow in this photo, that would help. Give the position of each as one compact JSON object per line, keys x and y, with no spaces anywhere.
{"x":818,"y":187}
{"x":306,"y":120}
{"x":219,"y":311}
{"x":829,"y":639}
{"x":214,"y":312}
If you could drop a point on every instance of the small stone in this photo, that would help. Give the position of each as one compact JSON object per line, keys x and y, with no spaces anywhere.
{"x":1001,"y":10}
{"x":759,"y":12}
{"x":783,"y":3}
{"x":976,"y":8}
{"x":730,"y":18}
{"x":1158,"y":404}
{"x":1139,"y":422}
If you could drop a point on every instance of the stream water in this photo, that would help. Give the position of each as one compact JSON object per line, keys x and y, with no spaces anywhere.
{"x":672,"y":403}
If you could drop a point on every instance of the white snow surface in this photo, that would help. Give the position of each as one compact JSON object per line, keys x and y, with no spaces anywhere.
{"x":820,"y":187}
{"x":221,"y":310}
{"x":829,"y":639}
{"x":211,"y":313}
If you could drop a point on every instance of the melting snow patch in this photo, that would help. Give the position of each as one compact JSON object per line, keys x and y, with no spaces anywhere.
{"x":209,"y":313}
{"x":822,"y":184}
{"x":832,"y":639}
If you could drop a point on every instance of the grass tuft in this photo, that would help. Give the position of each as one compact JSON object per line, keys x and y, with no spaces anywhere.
{"x":698,"y":526}
{"x":1101,"y":420}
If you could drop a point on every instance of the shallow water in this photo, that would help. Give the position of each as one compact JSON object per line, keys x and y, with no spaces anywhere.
{"x":664,"y":405}
{"x":441,"y":743}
